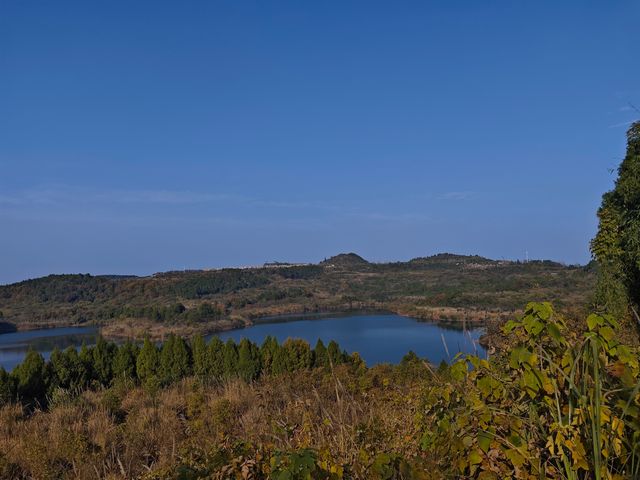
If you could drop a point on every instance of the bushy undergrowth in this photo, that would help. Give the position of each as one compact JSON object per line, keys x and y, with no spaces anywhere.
{"x":559,"y":405}
{"x":342,"y":422}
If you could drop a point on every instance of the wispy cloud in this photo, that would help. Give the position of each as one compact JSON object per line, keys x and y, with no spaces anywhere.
{"x":58,"y":195}
{"x":463,"y":195}
{"x":65,"y":203}
{"x":621,"y":124}
{"x":62,"y":195}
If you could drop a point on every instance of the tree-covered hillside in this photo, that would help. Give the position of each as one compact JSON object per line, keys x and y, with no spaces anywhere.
{"x":442,"y":287}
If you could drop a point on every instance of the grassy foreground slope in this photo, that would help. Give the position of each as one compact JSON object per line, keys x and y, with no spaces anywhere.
{"x":441,"y":287}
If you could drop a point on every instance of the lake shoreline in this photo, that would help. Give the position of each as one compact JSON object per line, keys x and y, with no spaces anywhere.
{"x":138,"y":329}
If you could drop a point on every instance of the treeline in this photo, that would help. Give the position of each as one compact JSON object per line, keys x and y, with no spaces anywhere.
{"x":63,"y":288}
{"x":167,"y":313}
{"x":217,"y":282}
{"x":35,"y":382}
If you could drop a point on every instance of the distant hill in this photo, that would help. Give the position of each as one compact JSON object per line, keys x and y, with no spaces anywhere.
{"x":444,"y":286}
{"x":345,"y":259}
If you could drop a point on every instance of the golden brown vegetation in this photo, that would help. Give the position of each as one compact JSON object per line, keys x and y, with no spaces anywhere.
{"x":349,"y":413}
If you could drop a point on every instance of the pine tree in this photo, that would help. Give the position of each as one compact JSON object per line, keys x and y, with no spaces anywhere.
{"x":215,"y":358}
{"x":64,"y":370}
{"x":79,"y":374}
{"x":124,"y":361}
{"x":59,"y":369}
{"x":103,"y":354}
{"x":248,"y":360}
{"x":334,"y":354}
{"x":267,"y":354}
{"x":280,"y":363}
{"x":166,"y":360}
{"x":147,"y":361}
{"x":181,"y":365}
{"x":86,"y":359}
{"x":175,"y":362}
{"x":30,"y":377}
{"x":320,"y":357}
{"x":298,"y":354}
{"x":230,"y":359}
{"x":200,"y":354}
{"x":7,"y":387}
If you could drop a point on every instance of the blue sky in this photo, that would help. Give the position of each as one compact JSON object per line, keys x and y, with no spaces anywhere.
{"x":138,"y":137}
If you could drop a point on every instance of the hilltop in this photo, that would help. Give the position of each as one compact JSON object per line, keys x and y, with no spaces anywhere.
{"x":345,"y":260}
{"x":444,"y":287}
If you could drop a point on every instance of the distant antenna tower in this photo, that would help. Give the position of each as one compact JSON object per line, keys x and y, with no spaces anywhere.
{"x":526,"y":256}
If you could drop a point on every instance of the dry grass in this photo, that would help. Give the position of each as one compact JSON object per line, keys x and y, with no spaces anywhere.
{"x":126,"y":431}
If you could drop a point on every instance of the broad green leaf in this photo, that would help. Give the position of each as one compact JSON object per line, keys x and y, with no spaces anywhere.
{"x":515,"y":457}
{"x":484,"y":441}
{"x":594,"y":320}
{"x":554,"y":332}
{"x":475,"y":458}
{"x":607,"y":333}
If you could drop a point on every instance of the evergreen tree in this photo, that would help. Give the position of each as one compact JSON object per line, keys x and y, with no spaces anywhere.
{"x":200,"y":354}
{"x":280,"y":363}
{"x":174,"y":359}
{"x":298,"y":354}
{"x":81,"y":375}
{"x":124,"y":361}
{"x":86,"y":359}
{"x":334,"y":354}
{"x":103,"y":353}
{"x":60,"y":374}
{"x":320,"y":356}
{"x":181,"y":366}
{"x":7,"y":387}
{"x":147,"y":361}
{"x":230,"y":359}
{"x":166,"y":359}
{"x":215,"y":358}
{"x":67,"y":371}
{"x":616,"y":246}
{"x":248,"y":360}
{"x":267,"y":353}
{"x":30,"y":378}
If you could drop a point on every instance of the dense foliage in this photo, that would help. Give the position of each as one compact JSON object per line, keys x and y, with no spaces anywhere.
{"x":559,"y":405}
{"x":35,"y":383}
{"x":616,"y":246}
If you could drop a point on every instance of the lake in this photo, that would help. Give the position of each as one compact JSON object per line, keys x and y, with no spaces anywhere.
{"x":376,"y":337}
{"x":14,"y":346}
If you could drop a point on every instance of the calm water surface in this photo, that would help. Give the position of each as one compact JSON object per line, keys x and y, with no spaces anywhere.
{"x":377,"y":338}
{"x":14,"y":346}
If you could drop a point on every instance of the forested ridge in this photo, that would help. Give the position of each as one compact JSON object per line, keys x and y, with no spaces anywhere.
{"x":445,"y":286}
